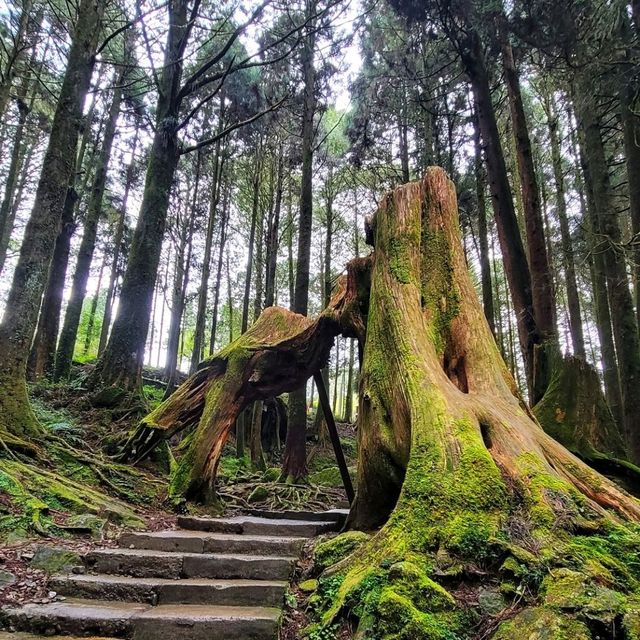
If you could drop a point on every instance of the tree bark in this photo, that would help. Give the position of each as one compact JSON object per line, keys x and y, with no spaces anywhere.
{"x":573,"y":299}
{"x":447,"y":450}
{"x":23,"y":303}
{"x":121,"y":362}
{"x":273,"y":235}
{"x":201,"y":313}
{"x":483,"y":234}
{"x":180,"y":283}
{"x":294,"y":463}
{"x":513,"y":254}
{"x":117,"y":247}
{"x":542,"y":290}
{"x":43,"y":350}
{"x":255,"y":212}
{"x":67,"y":342}
{"x":623,"y":319}
{"x":216,"y":288}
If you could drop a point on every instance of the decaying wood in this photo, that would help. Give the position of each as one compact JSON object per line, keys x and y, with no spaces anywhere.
{"x":278,"y":354}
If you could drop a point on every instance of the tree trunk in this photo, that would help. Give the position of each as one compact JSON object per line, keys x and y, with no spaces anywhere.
{"x":608,"y":359}
{"x":294,"y":463}
{"x":117,"y":247}
{"x":67,"y":342}
{"x":483,"y":234}
{"x":255,"y":212}
{"x":513,"y":254}
{"x":631,"y":130}
{"x":542,"y":291}
{"x":14,"y":56}
{"x":274,"y":356}
{"x":573,"y":299}
{"x":88,"y":339}
{"x":348,"y":403}
{"x":255,"y":442}
{"x":180,"y":283}
{"x":465,"y":482}
{"x":216,"y":288}
{"x":201,"y":313}
{"x":43,"y":350}
{"x":121,"y":363}
{"x":17,"y":154}
{"x":29,"y":280}
{"x":623,"y":319}
{"x":273,"y":237}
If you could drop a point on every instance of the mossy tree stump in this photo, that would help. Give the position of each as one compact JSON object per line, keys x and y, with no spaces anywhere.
{"x":467,"y":486}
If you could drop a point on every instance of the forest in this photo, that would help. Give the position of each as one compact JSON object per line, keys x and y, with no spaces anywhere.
{"x":367,"y":263}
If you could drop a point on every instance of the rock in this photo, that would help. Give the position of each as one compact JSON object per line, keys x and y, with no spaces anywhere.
{"x":540,"y":623}
{"x":108,"y":397}
{"x":54,"y":560}
{"x":258,"y":494}
{"x":6,"y":578}
{"x":308,"y":586}
{"x":572,"y":591}
{"x":271,"y":475}
{"x":86,"y":523}
{"x":490,"y":602}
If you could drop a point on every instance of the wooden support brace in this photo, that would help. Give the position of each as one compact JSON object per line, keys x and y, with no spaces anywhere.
{"x":333,"y":434}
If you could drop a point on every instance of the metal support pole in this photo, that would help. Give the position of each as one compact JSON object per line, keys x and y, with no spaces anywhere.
{"x":333,"y":434}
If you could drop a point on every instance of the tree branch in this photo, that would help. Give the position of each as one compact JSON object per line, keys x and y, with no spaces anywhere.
{"x":238,"y":125}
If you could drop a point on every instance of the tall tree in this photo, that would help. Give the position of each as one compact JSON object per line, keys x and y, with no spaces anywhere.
{"x":21,"y":312}
{"x":67,"y":342}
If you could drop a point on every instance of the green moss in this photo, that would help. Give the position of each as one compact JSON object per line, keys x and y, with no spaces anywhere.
{"x":258,"y":494}
{"x":440,"y":290}
{"x":572,"y":591}
{"x":54,"y":560}
{"x":330,"y":477}
{"x":308,"y":586}
{"x":540,"y":623}
{"x":631,"y":620}
{"x":330,"y":552}
{"x":270,"y":475}
{"x":401,"y":620}
{"x":412,"y":582}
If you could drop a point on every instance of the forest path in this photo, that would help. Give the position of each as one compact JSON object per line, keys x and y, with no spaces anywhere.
{"x":211,"y":578}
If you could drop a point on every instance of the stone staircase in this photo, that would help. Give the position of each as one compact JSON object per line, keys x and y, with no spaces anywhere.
{"x":213,"y":578}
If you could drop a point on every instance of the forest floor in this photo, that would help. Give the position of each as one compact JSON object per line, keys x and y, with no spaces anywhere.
{"x":76,"y":498}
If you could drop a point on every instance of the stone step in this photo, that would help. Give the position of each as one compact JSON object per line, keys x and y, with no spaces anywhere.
{"x":144,"y":563}
{"x":144,"y":622}
{"x":339,"y":516}
{"x":203,"y":542}
{"x":159,"y":591}
{"x":7,"y":635}
{"x":255,"y":525}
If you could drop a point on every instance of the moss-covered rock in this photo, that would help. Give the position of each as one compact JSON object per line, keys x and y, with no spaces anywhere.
{"x":271,"y":474}
{"x":308,"y":586}
{"x":576,"y":592}
{"x":631,"y":620}
{"x":259,"y":494}
{"x":330,"y":477}
{"x":54,"y":559}
{"x":332,"y":551}
{"x":400,"y":619}
{"x":540,"y":623}
{"x":86,"y":523}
